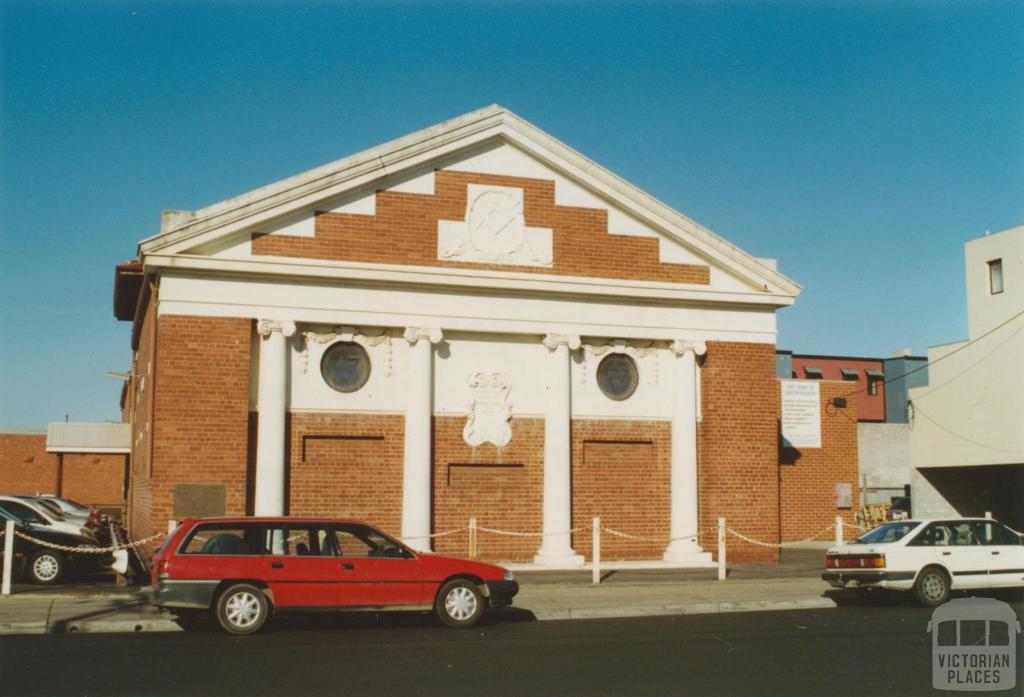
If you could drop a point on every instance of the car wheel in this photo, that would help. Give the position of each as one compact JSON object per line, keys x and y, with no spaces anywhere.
{"x":459,"y":603}
{"x":242,"y":609}
{"x":47,"y":566}
{"x":932,"y":587}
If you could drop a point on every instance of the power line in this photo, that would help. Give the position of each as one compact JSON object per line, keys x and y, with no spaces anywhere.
{"x":917,"y":410}
{"x":942,"y":358}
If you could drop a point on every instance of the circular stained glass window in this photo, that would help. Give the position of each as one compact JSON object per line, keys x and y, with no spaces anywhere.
{"x":345,"y":366}
{"x":617,"y":376}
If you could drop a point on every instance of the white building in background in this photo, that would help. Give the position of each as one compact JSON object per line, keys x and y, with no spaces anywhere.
{"x":967,"y":437}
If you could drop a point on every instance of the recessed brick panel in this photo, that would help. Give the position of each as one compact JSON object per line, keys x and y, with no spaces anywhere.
{"x":404,"y":231}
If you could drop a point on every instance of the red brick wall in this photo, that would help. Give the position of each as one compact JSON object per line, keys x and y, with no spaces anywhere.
{"x":26,"y":469}
{"x":25,"y":466}
{"x":139,"y":411}
{"x":737,"y":464}
{"x":404,"y":231}
{"x":347,"y":466}
{"x":200,"y":412}
{"x":807,"y":476}
{"x":621,"y":470}
{"x":94,"y":479}
{"x":870,"y":407}
{"x":502,"y":487}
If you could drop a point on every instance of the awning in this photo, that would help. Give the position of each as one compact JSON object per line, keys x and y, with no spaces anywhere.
{"x":89,"y":438}
{"x":878,"y":374}
{"x":850,"y":373}
{"x":812,"y":372}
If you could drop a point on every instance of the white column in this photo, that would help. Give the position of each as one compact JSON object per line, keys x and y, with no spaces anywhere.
{"x":416,"y":484}
{"x":270,"y":439}
{"x":684,"y":454}
{"x":556,"y":548}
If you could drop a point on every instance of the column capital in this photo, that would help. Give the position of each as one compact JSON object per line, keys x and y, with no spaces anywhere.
{"x":681,"y":346}
{"x":266,"y":326}
{"x":414,"y":334}
{"x":553,"y":341}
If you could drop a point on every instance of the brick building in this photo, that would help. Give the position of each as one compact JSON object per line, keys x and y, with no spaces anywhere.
{"x":472,"y":320}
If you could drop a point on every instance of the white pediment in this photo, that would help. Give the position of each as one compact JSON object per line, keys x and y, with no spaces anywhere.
{"x":490,"y":141}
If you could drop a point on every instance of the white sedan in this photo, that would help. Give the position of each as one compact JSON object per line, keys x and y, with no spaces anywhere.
{"x":930,"y":557}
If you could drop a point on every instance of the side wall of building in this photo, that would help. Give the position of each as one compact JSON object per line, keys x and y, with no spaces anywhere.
{"x":25,"y":466}
{"x":808,"y":476}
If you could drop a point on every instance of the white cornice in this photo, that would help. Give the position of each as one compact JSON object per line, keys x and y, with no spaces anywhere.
{"x":333,"y":180}
{"x":441,"y":277}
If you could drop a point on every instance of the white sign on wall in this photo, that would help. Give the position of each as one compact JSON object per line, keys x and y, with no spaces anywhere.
{"x":489,"y":410}
{"x":801,"y":414}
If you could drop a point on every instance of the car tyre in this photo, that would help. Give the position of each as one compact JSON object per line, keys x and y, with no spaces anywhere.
{"x":459,"y":603}
{"x":932,"y":587}
{"x":242,"y":609}
{"x":47,"y":566}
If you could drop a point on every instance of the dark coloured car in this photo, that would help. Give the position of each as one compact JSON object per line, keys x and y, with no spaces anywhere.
{"x":242,"y":569}
{"x":46,"y":565}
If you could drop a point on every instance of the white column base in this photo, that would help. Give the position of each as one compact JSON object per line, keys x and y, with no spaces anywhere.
{"x":686,"y":552}
{"x":570,"y":559}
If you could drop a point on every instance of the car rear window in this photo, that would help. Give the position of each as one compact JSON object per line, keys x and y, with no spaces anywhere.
{"x":890,"y":532}
{"x":224,"y":538}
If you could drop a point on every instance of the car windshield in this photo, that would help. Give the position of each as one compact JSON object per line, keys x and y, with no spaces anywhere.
{"x":50,"y":506}
{"x":890,"y":532}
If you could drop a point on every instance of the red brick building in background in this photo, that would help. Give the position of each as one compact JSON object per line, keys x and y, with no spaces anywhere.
{"x":95,"y":479}
{"x":471,"y":321}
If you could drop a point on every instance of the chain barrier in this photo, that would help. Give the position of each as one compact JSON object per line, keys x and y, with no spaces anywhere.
{"x":445,"y":533}
{"x":628,"y":536}
{"x":752,"y":541}
{"x":90,"y":550}
{"x":511,"y":533}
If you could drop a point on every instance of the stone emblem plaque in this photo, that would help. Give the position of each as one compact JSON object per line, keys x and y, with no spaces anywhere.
{"x":489,"y":410}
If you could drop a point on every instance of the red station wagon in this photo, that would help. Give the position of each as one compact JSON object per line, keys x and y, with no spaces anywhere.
{"x":241,"y":569}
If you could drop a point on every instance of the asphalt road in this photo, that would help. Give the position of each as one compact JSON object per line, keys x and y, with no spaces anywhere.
{"x":873,"y":650}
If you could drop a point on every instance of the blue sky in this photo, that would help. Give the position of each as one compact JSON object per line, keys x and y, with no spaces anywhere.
{"x":860,"y":144}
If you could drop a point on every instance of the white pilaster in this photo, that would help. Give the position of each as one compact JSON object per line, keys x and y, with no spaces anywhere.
{"x":416,"y":484}
{"x":270,"y":439}
{"x":556,"y":548}
{"x":684,"y":455}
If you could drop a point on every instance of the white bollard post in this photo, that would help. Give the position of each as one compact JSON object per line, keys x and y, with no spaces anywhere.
{"x":839,"y":529}
{"x":596,"y":544}
{"x":472,"y":538}
{"x":171,"y":524}
{"x":988,"y":514}
{"x":8,"y":556}
{"x":721,"y":549}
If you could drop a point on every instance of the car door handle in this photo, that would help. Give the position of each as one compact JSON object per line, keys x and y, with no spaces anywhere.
{"x":946,"y":554}
{"x":995,"y":551}
{"x":348,"y":566}
{"x":277,"y":565}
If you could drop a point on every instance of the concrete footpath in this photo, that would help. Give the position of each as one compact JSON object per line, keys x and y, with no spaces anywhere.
{"x":793,"y":584}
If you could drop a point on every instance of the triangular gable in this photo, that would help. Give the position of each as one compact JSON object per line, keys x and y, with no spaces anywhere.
{"x":509,"y":162}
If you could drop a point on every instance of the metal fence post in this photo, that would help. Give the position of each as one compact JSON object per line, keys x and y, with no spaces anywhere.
{"x":596,"y":545}
{"x":839,"y":529}
{"x":721,"y":549}
{"x":8,"y":556}
{"x":472,"y":538}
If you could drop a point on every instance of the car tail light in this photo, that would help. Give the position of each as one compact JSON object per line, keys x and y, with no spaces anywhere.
{"x":856,"y":561}
{"x":163,"y":568}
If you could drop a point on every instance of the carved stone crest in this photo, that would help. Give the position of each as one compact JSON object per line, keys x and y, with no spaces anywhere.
{"x":494,"y":230}
{"x":489,"y":410}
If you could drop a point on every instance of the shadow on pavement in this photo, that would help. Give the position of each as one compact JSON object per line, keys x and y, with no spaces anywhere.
{"x":296,"y":620}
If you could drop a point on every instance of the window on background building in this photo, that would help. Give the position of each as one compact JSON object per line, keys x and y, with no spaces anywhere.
{"x":873,"y":386}
{"x":995,"y":276}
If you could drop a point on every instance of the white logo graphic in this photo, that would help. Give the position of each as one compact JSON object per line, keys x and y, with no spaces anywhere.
{"x":974,"y":645}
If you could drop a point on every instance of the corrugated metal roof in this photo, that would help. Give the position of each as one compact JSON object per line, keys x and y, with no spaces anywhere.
{"x":88,"y":438}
